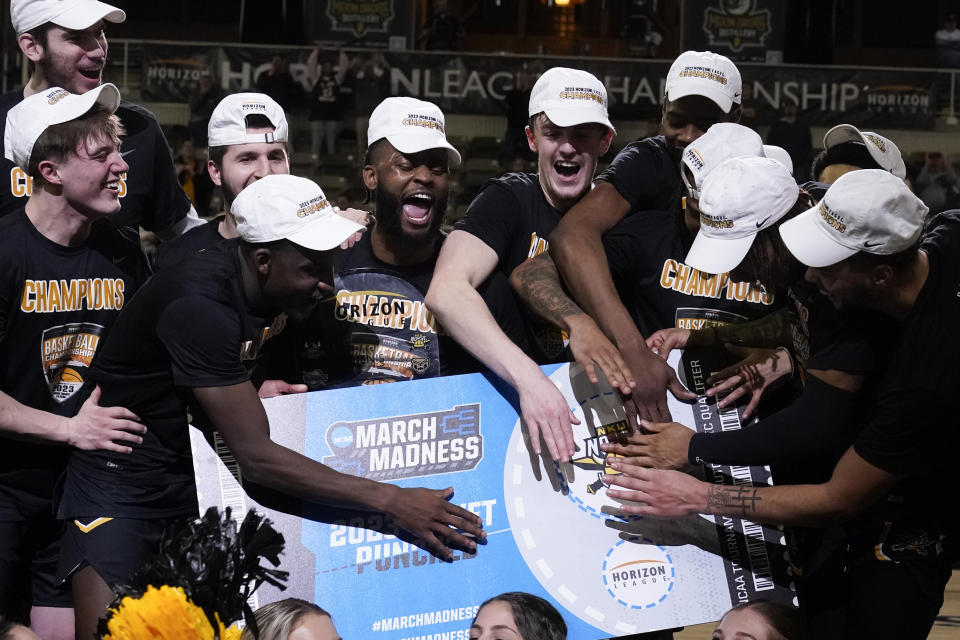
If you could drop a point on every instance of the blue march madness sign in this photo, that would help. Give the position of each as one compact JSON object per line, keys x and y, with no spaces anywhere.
{"x":551,"y":530}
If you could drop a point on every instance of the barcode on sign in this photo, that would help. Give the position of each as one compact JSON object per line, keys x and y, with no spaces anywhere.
{"x":759,"y":560}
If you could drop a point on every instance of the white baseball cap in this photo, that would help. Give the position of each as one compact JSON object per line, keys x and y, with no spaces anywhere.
{"x":779,"y":154}
{"x":570,"y":97}
{"x":228,"y":123}
{"x":704,"y":73}
{"x":740,"y":198}
{"x":722,"y":141}
{"x":287,"y":207}
{"x":869,"y":210}
{"x":411,"y":126}
{"x":881,"y":149}
{"x":27,"y":121}
{"x":69,"y":14}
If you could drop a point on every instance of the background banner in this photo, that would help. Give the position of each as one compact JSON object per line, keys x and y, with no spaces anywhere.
{"x":742,"y":30}
{"x":476,"y":84}
{"x":551,"y":529}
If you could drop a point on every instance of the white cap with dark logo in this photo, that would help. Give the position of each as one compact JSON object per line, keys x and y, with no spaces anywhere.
{"x":228,"y":124}
{"x":27,"y":121}
{"x":704,"y":73}
{"x":722,"y":141}
{"x":74,"y":15}
{"x":411,"y":126}
{"x":570,"y":97}
{"x":869,"y":210}
{"x":881,"y":149}
{"x":740,"y":198}
{"x":286,"y":207}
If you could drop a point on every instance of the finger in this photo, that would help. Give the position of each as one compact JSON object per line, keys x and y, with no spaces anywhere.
{"x":754,"y":403}
{"x":725,"y":373}
{"x":459,"y":541}
{"x":590,"y":367}
{"x":625,"y":481}
{"x":625,"y":450}
{"x":112,"y":446}
{"x":534,"y":432}
{"x":297,"y":388}
{"x":679,"y":391}
{"x":637,"y":461}
{"x":663,"y":412}
{"x":726,"y":385}
{"x":94,"y":396}
{"x":734,"y":395}
{"x":553,"y":447}
{"x":652,"y":427}
{"x":121,"y":413}
{"x":614,"y":366}
{"x":125,"y":436}
{"x":437,"y":548}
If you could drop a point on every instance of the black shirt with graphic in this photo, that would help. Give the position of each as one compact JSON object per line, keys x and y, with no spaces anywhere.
{"x":150,"y":195}
{"x":647,"y":176}
{"x":376,"y":328}
{"x":57,"y":304}
{"x":204,"y":236}
{"x":324,"y":98}
{"x":646,"y":252}
{"x":512,"y":216}
{"x":189,"y":326}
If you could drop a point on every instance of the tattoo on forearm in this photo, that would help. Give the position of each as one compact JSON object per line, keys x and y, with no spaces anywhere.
{"x":723,"y":500}
{"x":541,"y":289}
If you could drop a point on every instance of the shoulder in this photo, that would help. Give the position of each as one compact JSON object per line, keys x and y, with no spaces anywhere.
{"x":137,"y":120}
{"x":640,"y":155}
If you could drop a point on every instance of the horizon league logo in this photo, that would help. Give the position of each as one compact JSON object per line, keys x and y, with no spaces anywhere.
{"x":736,"y":24}
{"x":407,"y":446}
{"x":360,"y":16}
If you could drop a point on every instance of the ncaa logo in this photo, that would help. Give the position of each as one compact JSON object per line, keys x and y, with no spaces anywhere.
{"x":637,"y":575}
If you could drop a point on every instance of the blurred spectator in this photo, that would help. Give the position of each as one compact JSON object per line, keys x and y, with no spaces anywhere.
{"x":369,"y":80}
{"x":793,"y":136}
{"x":748,"y":106}
{"x":936,"y":184}
{"x":948,"y":43}
{"x":192,"y":175}
{"x":326,"y":107}
{"x":279,"y":84}
{"x":292,"y":619}
{"x":443,"y":30}
{"x":516,"y":102}
{"x":202,"y":103}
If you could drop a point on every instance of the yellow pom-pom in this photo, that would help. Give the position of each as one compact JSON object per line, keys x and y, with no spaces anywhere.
{"x":160,"y":614}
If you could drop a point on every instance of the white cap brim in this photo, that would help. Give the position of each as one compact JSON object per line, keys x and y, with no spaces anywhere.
{"x":810,"y":244}
{"x":684,"y":89}
{"x":86,"y":14}
{"x":571,"y":117}
{"x":417,"y":142}
{"x":717,"y":255}
{"x":325,"y":233}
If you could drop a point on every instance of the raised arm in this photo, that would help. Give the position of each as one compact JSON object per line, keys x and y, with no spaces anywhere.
{"x":577,"y":249}
{"x":537,"y":282}
{"x":236,"y":412}
{"x":94,"y":427}
{"x":464,"y":263}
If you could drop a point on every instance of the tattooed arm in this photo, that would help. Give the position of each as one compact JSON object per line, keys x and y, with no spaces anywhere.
{"x":538,"y":284}
{"x":855,"y":484}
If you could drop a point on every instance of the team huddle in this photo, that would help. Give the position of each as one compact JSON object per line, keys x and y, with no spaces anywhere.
{"x":837,"y":302}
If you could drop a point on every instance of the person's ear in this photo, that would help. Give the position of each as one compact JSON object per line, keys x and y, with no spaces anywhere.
{"x":605,"y":143}
{"x":735,"y":113}
{"x":50,"y":172}
{"x":262,"y":260}
{"x":370,"y":177}
{"x":882,"y":275}
{"x":30,"y":47}
{"x":531,"y":139}
{"x":215,"y":176}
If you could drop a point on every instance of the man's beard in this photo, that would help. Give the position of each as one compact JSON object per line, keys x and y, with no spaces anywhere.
{"x":389,"y":213}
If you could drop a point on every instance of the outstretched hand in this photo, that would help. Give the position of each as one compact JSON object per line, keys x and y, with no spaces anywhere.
{"x":664,"y":341}
{"x":760,"y":370}
{"x":437,"y":524}
{"x":664,"y":445}
{"x":546,"y":413}
{"x":654,"y":377}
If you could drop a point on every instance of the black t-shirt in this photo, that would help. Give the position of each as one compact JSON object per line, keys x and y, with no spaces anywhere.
{"x":57,"y":304}
{"x":150,"y":195}
{"x":376,"y":329}
{"x":647,"y":176}
{"x":646,"y":251}
{"x":324,"y":98}
{"x":914,"y":429}
{"x":512,"y":216}
{"x":204,"y":236}
{"x":190,"y":326}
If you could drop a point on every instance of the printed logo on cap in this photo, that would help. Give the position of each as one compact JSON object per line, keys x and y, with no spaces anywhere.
{"x":420,"y":120}
{"x":707,"y":73}
{"x":693,"y":157}
{"x":583,"y":93}
{"x":56,"y":96}
{"x":319,"y":203}
{"x":835,"y":221}
{"x":715,"y":222}
{"x":877,"y":141}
